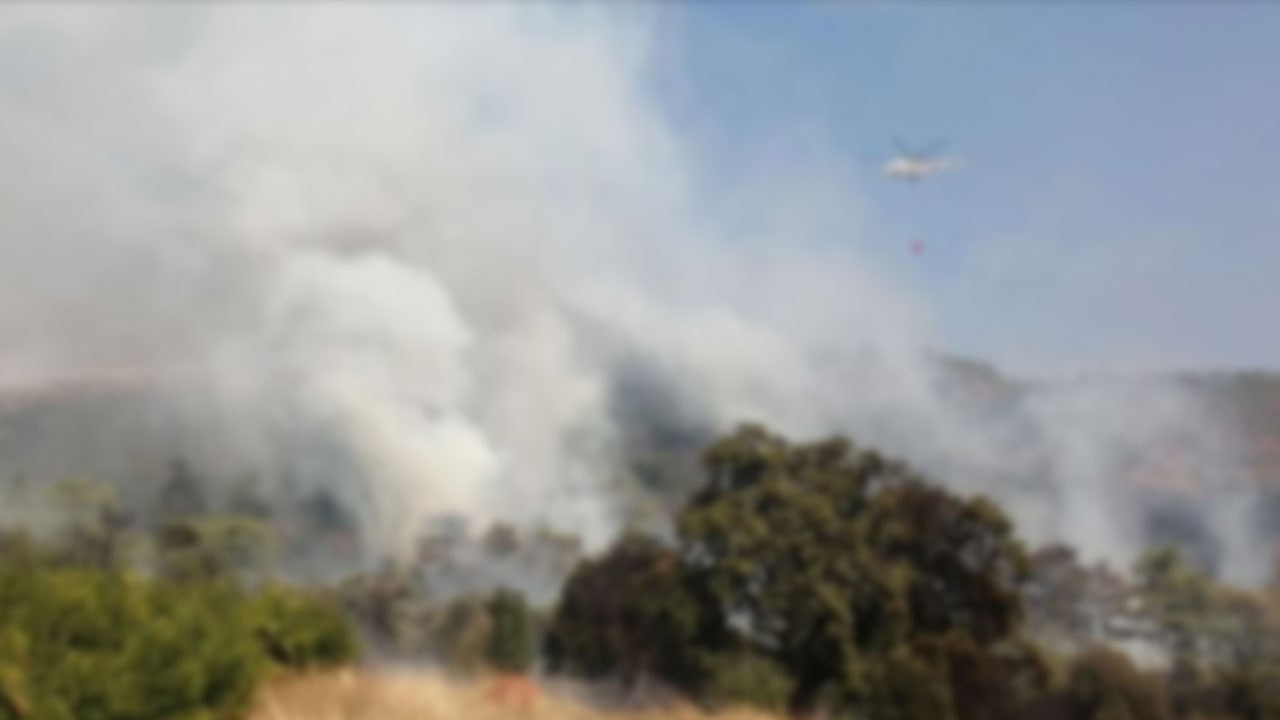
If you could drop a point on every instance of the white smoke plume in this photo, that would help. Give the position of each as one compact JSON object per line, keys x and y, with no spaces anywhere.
{"x":436,"y":237}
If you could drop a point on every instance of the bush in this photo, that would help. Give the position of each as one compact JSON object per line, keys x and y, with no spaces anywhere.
{"x":89,"y":644}
{"x":748,"y":680}
{"x":191,"y":655}
{"x":302,"y":630}
{"x":83,"y":643}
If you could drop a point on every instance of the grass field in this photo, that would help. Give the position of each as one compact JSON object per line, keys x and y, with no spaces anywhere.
{"x":424,"y":695}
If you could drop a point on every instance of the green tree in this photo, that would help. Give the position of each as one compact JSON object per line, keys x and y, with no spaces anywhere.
{"x":873,"y":592}
{"x":762,"y":533}
{"x":962,"y":565}
{"x":633,"y":614}
{"x":834,"y":562}
{"x":511,"y":641}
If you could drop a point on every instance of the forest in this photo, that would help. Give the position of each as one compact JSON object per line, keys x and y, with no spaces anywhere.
{"x":802,"y":577}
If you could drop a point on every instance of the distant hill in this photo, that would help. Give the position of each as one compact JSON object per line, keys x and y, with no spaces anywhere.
{"x":130,"y":433}
{"x":1248,"y":401}
{"x":88,"y":415}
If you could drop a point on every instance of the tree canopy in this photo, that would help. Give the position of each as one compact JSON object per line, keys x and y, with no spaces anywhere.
{"x":842,"y":567}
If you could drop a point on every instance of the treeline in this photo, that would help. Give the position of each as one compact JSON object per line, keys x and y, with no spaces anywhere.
{"x":823,"y":577}
{"x":802,"y":577}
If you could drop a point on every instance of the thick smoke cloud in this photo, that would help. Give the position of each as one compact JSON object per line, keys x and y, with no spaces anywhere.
{"x":447,"y":260}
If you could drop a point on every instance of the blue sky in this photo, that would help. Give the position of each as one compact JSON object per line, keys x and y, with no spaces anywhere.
{"x":1121,"y":208}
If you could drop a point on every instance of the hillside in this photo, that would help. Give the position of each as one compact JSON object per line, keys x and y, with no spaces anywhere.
{"x":132,"y":433}
{"x":1247,"y":402}
{"x":31,"y":416}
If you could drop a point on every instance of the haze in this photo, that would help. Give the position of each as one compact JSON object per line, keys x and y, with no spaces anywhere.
{"x":454,"y":259}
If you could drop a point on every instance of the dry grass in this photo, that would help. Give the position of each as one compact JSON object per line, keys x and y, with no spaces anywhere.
{"x":405,"y":695}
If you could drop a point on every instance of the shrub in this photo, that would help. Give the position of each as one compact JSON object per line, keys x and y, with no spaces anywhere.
{"x":91,"y":643}
{"x":302,"y":630}
{"x":748,"y":680}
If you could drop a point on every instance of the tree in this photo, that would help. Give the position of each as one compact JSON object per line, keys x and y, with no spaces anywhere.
{"x":385,"y":603}
{"x":1056,"y":591}
{"x":831,"y":574}
{"x":964,"y":565}
{"x":1104,"y":685}
{"x":463,"y":633}
{"x":1204,"y":622}
{"x":511,"y":642}
{"x":762,"y":532}
{"x":182,"y":496}
{"x":215,"y":546}
{"x":245,"y":500}
{"x":501,"y":540}
{"x":1248,"y":693}
{"x":633,"y":614}
{"x":836,"y":562}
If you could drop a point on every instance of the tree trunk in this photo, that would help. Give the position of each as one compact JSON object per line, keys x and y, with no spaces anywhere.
{"x":804,"y":698}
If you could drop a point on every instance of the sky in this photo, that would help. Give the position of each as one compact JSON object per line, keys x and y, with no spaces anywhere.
{"x":1117,"y":212}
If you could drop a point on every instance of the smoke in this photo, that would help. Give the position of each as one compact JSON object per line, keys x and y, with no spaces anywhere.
{"x":444,"y":260}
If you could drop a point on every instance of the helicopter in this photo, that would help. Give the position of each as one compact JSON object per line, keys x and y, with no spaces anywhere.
{"x":913,"y":166}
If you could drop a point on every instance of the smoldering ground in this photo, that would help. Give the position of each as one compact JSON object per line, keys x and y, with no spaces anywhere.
{"x":456,"y":260}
